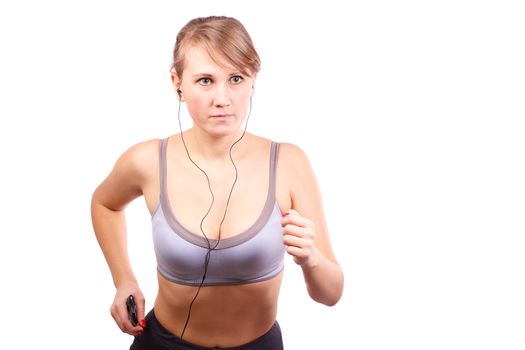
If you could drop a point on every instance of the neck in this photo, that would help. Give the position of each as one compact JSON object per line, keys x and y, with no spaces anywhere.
{"x":215,"y":150}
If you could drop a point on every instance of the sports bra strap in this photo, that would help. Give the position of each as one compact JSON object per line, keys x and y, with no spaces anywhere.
{"x":162,"y":166}
{"x":273,"y":167}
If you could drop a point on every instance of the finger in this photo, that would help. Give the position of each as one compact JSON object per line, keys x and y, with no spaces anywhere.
{"x":126,"y":325}
{"x":121,"y":320}
{"x":122,"y":315}
{"x":291,"y":211}
{"x":296,"y":252}
{"x":137,"y":330}
{"x":296,"y":220}
{"x":141,"y":302}
{"x":294,"y":241}
{"x":139,"y":309}
{"x":298,"y":231}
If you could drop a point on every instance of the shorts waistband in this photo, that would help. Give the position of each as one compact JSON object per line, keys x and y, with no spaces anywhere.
{"x":155,"y":336}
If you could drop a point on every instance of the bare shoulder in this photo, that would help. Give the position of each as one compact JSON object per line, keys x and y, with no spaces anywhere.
{"x":285,"y":149}
{"x":296,"y":169}
{"x":294,"y":159}
{"x":143,"y":156}
{"x":132,"y":171}
{"x":140,"y":161}
{"x":256,"y":145}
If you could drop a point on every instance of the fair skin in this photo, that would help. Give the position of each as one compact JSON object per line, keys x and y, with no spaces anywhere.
{"x":247,"y":310}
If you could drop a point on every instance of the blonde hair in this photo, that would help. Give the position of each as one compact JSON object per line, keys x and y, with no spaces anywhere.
{"x":224,"y":38}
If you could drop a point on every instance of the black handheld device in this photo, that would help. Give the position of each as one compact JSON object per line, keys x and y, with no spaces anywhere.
{"x":132,"y":310}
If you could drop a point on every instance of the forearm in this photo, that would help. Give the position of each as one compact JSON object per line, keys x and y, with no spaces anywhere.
{"x":110,"y":230}
{"x":324,"y":280}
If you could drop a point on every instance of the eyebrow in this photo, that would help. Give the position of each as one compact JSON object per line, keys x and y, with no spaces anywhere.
{"x":211,"y":75}
{"x":202,"y":74}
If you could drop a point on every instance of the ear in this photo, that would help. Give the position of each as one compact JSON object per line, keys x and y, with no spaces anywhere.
{"x":175,"y":80}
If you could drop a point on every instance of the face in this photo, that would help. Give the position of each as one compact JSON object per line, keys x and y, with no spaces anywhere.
{"x":217,"y":98}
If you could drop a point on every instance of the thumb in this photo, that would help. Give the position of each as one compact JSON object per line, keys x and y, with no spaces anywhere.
{"x":140,"y":311}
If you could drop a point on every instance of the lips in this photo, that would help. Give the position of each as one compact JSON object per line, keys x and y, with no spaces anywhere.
{"x":220,"y":115}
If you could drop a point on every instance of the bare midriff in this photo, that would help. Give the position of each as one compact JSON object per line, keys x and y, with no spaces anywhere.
{"x":221,"y":316}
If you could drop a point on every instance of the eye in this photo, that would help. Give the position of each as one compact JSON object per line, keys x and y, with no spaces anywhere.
{"x":236,"y":79}
{"x":204,"y":81}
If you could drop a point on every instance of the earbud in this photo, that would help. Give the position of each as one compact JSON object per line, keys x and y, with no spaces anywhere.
{"x":179,"y":91}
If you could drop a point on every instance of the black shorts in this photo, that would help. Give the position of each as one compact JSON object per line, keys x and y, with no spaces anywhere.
{"x":156,"y":337}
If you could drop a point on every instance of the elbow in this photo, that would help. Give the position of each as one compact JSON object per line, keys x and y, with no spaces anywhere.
{"x":337,"y":290}
{"x":333,"y":301}
{"x":330,"y":300}
{"x":330,"y":297}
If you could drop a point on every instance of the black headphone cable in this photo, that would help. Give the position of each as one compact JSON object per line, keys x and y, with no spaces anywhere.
{"x":210,"y":248}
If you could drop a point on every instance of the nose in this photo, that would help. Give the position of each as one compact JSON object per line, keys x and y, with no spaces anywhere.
{"x":222,"y":96}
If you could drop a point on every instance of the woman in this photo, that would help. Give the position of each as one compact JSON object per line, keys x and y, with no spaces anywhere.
{"x":220,"y":264}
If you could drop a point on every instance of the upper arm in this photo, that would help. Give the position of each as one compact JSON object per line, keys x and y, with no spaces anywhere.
{"x":306,"y":195}
{"x":130,"y":174}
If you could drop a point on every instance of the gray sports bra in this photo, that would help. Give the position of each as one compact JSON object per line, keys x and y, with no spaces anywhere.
{"x":254,"y":255}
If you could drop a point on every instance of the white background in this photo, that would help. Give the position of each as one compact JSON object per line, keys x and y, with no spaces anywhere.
{"x":411,"y":113}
